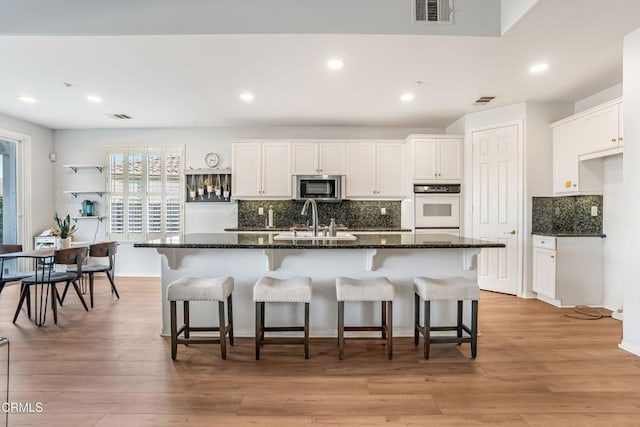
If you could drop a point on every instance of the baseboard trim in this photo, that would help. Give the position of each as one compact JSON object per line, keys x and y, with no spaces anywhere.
{"x":631,"y":348}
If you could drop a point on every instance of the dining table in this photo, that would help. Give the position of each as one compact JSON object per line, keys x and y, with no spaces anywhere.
{"x":43,"y":266}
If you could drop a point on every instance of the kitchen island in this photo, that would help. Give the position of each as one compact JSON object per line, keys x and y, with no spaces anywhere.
{"x":248,"y":256}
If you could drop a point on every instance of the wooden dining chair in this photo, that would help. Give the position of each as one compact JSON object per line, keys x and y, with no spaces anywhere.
{"x":46,"y":276}
{"x":11,"y":277}
{"x":100,"y":250}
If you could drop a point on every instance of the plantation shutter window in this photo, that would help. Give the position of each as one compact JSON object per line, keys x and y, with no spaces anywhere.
{"x":145,"y":190}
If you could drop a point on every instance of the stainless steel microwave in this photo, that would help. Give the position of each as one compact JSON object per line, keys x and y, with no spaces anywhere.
{"x":320,"y":187}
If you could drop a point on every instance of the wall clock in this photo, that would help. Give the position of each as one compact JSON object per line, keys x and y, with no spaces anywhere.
{"x":211,"y":159}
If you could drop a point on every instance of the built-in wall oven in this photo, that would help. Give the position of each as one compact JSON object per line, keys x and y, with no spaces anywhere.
{"x":437,"y":208}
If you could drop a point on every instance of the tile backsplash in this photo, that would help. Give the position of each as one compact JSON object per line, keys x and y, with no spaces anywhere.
{"x":568,"y":214}
{"x":350,"y":213}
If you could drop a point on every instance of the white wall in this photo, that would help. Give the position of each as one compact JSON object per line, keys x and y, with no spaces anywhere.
{"x":42,"y":184}
{"x":88,"y":147}
{"x":598,"y":98}
{"x":614,"y":227}
{"x":512,"y":10}
{"x":631,"y":176}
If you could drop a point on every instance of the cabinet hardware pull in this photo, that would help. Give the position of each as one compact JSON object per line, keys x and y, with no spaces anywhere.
{"x":614,"y":139}
{"x":620,"y":139}
{"x":552,"y":256}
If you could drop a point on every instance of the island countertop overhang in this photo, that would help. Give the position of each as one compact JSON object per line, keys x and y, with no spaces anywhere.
{"x":364,"y":241}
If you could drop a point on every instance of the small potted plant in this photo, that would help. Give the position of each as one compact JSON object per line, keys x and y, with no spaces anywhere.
{"x":201,"y":188}
{"x":63,"y":230}
{"x":192,"y":188}
{"x":209,"y":184}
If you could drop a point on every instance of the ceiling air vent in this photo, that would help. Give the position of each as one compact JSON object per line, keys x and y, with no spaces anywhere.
{"x":432,"y":10}
{"x":118,"y":116}
{"x":484,"y":100}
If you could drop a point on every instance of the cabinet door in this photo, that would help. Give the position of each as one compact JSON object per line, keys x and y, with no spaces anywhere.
{"x":425,"y":159}
{"x":449,"y":159}
{"x":565,"y":159}
{"x":390,"y":169}
{"x":598,"y":131}
{"x":305,"y":158}
{"x":332,"y":158}
{"x":276,"y":169}
{"x":361,"y":170}
{"x":247,"y":171}
{"x":621,"y":124}
{"x":544,"y":272}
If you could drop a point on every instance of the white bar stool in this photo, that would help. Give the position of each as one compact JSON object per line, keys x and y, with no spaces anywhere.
{"x":269,"y":289}
{"x":378,"y":289}
{"x":446,"y":289}
{"x":188,"y":289}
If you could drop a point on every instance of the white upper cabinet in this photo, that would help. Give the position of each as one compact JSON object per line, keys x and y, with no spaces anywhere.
{"x":375,"y":170}
{"x":261,"y":169}
{"x":436,"y":159}
{"x":325,"y":158}
{"x":600,"y":130}
{"x":565,"y":159}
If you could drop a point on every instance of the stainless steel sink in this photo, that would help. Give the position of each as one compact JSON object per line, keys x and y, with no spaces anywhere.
{"x":307,"y":235}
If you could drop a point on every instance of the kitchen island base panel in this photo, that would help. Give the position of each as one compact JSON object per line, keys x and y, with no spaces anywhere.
{"x":246,"y":266}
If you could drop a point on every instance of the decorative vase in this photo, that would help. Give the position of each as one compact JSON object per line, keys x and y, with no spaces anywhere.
{"x":63,"y":243}
{"x":192,"y":195}
{"x":225,"y":194}
{"x":218,"y":192}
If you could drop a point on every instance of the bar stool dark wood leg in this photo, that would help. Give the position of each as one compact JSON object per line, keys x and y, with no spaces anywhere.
{"x":174,"y":330}
{"x":185,"y":315}
{"x":341,"y":329}
{"x":223,"y":330}
{"x":384,"y":319}
{"x":306,"y":330}
{"x":389,"y":326}
{"x":474,"y":328}
{"x":262,"y":324}
{"x":416,"y":317}
{"x":91,"y":288}
{"x":427,"y":328}
{"x":460,"y":309}
{"x":258,"y":329}
{"x":230,"y":316}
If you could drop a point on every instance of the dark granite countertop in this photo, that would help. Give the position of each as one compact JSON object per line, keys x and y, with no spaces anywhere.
{"x":601,"y":235}
{"x":363,"y":241}
{"x":350,"y":230}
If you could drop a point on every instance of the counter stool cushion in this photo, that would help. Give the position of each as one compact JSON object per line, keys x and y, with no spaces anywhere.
{"x":200,"y":289}
{"x":446,"y":289}
{"x":373,"y":289}
{"x":270,"y":289}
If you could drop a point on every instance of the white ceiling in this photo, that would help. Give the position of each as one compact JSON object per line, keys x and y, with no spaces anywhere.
{"x":195,"y":80}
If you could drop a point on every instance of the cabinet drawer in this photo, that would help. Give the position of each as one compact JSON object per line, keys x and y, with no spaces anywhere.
{"x":546,"y":242}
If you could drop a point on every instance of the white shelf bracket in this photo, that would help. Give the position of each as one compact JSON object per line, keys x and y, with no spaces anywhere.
{"x":270,"y":258}
{"x":370,"y":260}
{"x":173,"y":260}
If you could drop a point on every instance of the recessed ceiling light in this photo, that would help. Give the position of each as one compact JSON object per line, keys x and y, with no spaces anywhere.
{"x":93,"y":98}
{"x":27,"y":99}
{"x":335,"y":64}
{"x":407,"y":97}
{"x":247,"y":96}
{"x":539,"y":68}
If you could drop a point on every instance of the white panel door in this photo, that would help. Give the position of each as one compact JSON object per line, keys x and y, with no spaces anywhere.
{"x":450,"y":160}
{"x":621,"y":124}
{"x":276,"y":169}
{"x":361,"y":170}
{"x":425,"y":159}
{"x":390,"y":170}
{"x":495,"y":206}
{"x":247,"y":170}
{"x":305,"y":158}
{"x":332,"y":158}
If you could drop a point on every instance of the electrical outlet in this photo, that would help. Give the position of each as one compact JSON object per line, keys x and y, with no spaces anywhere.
{"x":260,"y":211}
{"x":594,"y":211}
{"x":383,"y":211}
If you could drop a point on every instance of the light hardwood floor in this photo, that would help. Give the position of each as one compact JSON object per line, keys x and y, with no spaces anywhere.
{"x":110,"y":367}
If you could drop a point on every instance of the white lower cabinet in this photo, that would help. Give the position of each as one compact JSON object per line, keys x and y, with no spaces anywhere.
{"x":568,"y":271}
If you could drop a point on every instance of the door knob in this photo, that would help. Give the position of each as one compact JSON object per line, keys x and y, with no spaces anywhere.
{"x":511,"y":232}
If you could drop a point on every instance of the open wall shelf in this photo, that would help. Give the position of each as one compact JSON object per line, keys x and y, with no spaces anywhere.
{"x":75,"y":168}
{"x":75,"y":193}
{"x":99,"y":218}
{"x":208,"y":185}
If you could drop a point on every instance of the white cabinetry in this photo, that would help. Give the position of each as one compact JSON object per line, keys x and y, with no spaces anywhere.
{"x":261,"y":169}
{"x":375,"y":169}
{"x":570,"y":175}
{"x":318,"y":158}
{"x":600,"y":131}
{"x":436,"y":159}
{"x":568,"y":271}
